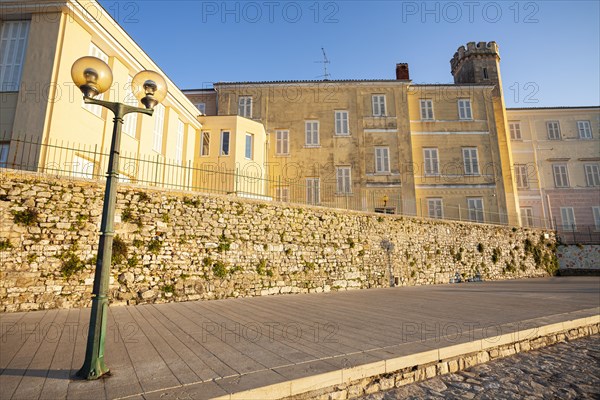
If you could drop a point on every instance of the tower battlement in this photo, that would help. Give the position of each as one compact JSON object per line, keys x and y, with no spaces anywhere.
{"x":473,"y":49}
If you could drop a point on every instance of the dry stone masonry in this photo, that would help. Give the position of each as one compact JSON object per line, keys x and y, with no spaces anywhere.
{"x":181,"y":246}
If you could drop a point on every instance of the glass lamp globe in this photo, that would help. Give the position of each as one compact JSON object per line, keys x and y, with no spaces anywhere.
{"x":149,"y":87}
{"x":91,"y":75}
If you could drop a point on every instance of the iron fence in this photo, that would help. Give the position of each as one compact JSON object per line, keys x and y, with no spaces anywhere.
{"x":91,"y":162}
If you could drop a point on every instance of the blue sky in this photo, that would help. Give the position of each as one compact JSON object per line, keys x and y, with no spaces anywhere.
{"x":550,"y":50}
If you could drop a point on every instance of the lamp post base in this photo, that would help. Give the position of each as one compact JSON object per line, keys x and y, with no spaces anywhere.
{"x":94,"y":371}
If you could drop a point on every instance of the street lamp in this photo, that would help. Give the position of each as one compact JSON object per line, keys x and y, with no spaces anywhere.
{"x":93,"y":77}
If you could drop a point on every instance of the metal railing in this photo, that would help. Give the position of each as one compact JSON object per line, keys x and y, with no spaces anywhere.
{"x":578,"y":234}
{"x":90,"y":161}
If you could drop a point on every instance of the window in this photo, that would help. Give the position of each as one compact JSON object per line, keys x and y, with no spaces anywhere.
{"x":225,"y":143}
{"x":426,"y":109}
{"x":561,"y":175}
{"x":431,"y":161}
{"x":464,"y":109}
{"x":527,"y":216}
{"x":201,"y":107}
{"x":592,"y":174}
{"x":596,"y":212}
{"x":553,"y":129}
{"x":567,"y":216}
{"x":245,"y":106}
{"x":282,"y":140}
{"x":94,"y":51}
{"x":475,"y":207}
{"x":4,"y":147}
{"x":470,"y":161}
{"x":378,"y":101}
{"x":515,"y":130}
{"x":130,"y":120}
{"x":382,"y":160}
{"x":249,"y":153}
{"x":13,"y":42}
{"x":179,"y":141}
{"x":344,"y":180}
{"x":521,"y":176}
{"x":282,"y":193}
{"x":341,"y":123}
{"x":205,"y":149}
{"x":485,"y":74}
{"x":584,"y":129}
{"x":435,"y":208}
{"x":81,"y":168}
{"x":159,"y":122}
{"x":312,"y":133}
{"x":313,"y":191}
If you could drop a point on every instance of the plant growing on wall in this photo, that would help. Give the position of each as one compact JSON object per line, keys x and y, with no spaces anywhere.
{"x":27,"y":217}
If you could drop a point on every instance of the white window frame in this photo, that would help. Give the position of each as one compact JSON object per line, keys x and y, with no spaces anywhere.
{"x":205,"y":144}
{"x":222,"y":151}
{"x":201,"y":107}
{"x":470,"y":161}
{"x":527,"y":216}
{"x":159,"y":128}
{"x":313,"y":191}
{"x":282,"y":142}
{"x":476,"y":213}
{"x":13,"y":46}
{"x":431,"y":161}
{"x":561,"y":175}
{"x":515,"y":130}
{"x":592,"y":174}
{"x":553,"y":130}
{"x":378,"y":105}
{"x":465,"y":111}
{"x":4,"y":149}
{"x":426,"y":109}
{"x":342,"y":123}
{"x":282,"y":194}
{"x":311,"y":133}
{"x":130,"y":120}
{"x":382,"y":160}
{"x":521,"y":176}
{"x":179,"y":141}
{"x":249,"y":146}
{"x":435,"y":208}
{"x":567,"y":219}
{"x":95,"y":51}
{"x":584,"y":130}
{"x":596,"y":214}
{"x":245,"y":106}
{"x":343,"y":178}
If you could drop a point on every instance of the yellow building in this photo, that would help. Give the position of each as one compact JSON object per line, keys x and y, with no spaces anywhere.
{"x":44,"y":124}
{"x":438,"y":151}
{"x":556,"y":152}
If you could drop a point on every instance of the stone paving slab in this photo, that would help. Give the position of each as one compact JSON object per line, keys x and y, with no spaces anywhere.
{"x":283,"y":344}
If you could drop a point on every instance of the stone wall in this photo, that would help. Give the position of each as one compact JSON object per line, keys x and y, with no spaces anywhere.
{"x":179,"y":246}
{"x":578,"y":258}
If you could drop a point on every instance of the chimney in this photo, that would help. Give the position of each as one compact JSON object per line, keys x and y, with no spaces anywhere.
{"x":402,"y":72}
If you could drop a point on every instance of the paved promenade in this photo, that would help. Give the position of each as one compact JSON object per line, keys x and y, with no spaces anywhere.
{"x":201,"y":350}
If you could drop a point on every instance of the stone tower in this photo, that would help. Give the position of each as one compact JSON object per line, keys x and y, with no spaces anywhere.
{"x":478,"y":63}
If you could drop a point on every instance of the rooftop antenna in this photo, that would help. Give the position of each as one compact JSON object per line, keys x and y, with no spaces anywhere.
{"x":325,"y":61}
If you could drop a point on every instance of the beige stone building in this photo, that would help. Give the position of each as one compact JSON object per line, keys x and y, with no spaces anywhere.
{"x":438,"y":151}
{"x":556,"y":153}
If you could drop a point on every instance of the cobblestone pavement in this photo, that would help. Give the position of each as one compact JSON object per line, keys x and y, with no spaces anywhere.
{"x":569,"y":370}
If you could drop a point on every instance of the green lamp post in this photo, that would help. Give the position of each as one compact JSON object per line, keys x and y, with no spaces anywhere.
{"x":93,"y":76}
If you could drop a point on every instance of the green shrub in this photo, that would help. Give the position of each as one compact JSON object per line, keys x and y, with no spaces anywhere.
{"x":154,"y":246}
{"x":128,"y":217}
{"x":70,"y":263}
{"x":224,"y":243}
{"x":219,"y":269}
{"x":143,"y":196}
{"x":496,"y":255}
{"x":168,"y":289}
{"x":480,"y":247}
{"x":119,"y":250}
{"x":27,"y":217}
{"x":5,"y":245}
{"x":261,"y":267}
